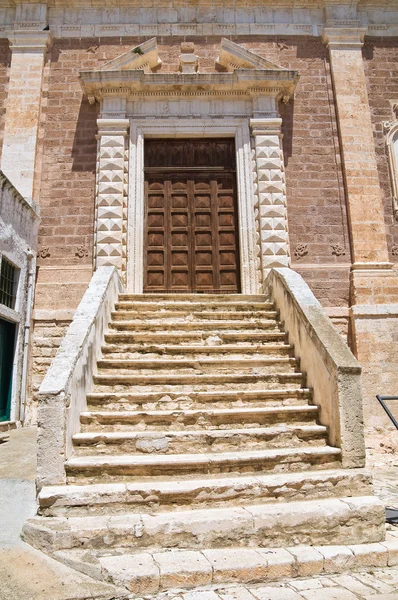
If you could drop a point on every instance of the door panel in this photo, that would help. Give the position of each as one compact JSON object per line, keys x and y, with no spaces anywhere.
{"x":7,"y":347}
{"x":191,"y":219}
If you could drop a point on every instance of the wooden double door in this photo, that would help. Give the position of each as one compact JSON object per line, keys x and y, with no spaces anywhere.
{"x":191,"y":226}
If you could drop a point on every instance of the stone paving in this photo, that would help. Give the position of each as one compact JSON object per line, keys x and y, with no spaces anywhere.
{"x":381,"y":584}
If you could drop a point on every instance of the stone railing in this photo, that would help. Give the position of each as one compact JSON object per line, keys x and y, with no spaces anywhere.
{"x":62,"y":394}
{"x":331,"y":369}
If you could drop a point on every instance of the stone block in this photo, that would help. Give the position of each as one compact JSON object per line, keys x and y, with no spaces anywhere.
{"x":308,"y":560}
{"x":185,"y":569}
{"x":369,"y":555}
{"x":280,"y":563}
{"x":237,"y":564}
{"x":138,"y":572}
{"x":392,"y":549}
{"x":337,"y":559}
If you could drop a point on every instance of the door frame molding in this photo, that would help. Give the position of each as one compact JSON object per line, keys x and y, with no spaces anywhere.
{"x":187,"y":127}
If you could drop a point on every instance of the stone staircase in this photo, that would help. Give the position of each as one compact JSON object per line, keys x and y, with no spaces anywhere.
{"x":199,"y":435}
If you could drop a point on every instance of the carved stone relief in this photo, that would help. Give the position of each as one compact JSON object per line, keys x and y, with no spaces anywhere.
{"x":270,"y":195}
{"x":112,"y":190}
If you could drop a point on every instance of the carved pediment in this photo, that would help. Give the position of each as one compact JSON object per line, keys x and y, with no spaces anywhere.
{"x":232,"y":56}
{"x":143,"y":56}
{"x":133,"y":74}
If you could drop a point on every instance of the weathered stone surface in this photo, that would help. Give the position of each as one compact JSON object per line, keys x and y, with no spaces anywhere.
{"x":237,"y":564}
{"x":183,"y":569}
{"x":139,"y":574}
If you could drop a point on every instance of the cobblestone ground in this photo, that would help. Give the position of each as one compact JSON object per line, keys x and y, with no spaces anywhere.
{"x":380,"y":584}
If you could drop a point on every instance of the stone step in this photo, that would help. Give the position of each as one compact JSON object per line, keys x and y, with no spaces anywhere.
{"x":205,"y":298}
{"x":201,"y":441}
{"x":180,"y":365}
{"x":194,"y":379}
{"x":101,"y":468}
{"x":354,"y":520}
{"x":199,"y":315}
{"x":174,"y":494}
{"x":199,"y":419}
{"x":193,"y":400}
{"x":213,"y":571}
{"x":129,"y":351}
{"x":195,"y":337}
{"x":201,"y":326}
{"x":188,"y":305}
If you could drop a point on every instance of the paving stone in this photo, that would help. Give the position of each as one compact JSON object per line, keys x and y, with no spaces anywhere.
{"x":329,"y":594}
{"x":389,"y":576}
{"x":381,"y":597}
{"x":237,"y":564}
{"x":200,"y":595}
{"x":183,"y":569}
{"x":275,"y":593}
{"x":306,"y":584}
{"x":374,"y":582}
{"x":353,"y":584}
{"x":237,"y":593}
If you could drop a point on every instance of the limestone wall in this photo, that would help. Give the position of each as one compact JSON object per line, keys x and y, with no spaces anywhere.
{"x":381,"y":67}
{"x":316,"y":209}
{"x":4,"y":74}
{"x":48,"y":332}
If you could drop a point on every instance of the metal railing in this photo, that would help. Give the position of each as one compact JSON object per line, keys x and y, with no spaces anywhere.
{"x":382,"y":400}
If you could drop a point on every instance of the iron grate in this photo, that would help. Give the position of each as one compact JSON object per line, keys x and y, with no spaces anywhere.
{"x":8,"y":280}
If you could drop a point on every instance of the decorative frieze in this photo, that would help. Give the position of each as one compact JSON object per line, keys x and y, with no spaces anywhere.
{"x":112,"y":190}
{"x":270,"y":195}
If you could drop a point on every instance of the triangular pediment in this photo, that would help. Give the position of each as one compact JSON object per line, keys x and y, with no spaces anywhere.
{"x":143,"y":56}
{"x":137,"y":72}
{"x":232,"y":56}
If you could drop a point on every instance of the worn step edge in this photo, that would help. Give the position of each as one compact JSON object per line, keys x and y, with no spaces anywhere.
{"x":164,"y":349}
{"x":349,"y":520}
{"x":196,"y":303}
{"x":200,"y":326}
{"x":151,"y":572}
{"x":186,"y":363}
{"x":222,"y":395}
{"x":227,"y":298}
{"x":216,"y":315}
{"x":174,"y":414}
{"x":125,"y":336}
{"x":131,"y":463}
{"x":175,"y":442}
{"x":192,"y":378}
{"x":225,"y":488}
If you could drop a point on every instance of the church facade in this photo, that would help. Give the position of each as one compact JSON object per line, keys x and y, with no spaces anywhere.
{"x":197,"y":145}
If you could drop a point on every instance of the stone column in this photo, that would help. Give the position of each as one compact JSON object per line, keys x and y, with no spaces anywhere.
{"x":270,"y":195}
{"x":364,"y":196}
{"x":28,"y":49}
{"x":374,"y":284}
{"x":110,"y":241}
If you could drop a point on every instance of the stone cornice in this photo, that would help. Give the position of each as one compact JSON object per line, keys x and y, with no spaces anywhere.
{"x":97,"y":85}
